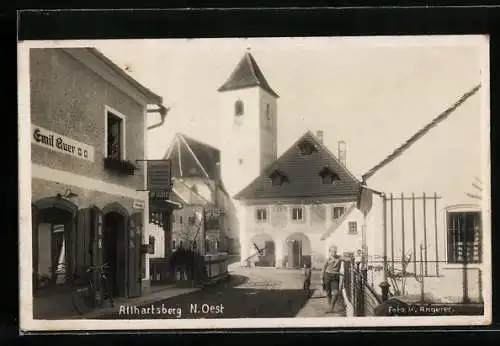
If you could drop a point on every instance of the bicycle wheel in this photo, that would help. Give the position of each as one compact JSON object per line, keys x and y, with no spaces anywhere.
{"x":82,"y":299}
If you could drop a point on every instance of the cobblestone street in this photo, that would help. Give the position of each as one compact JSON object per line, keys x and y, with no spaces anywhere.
{"x":250,"y":293}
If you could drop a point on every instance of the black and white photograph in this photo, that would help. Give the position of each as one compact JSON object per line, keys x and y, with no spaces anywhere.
{"x":254,"y":182}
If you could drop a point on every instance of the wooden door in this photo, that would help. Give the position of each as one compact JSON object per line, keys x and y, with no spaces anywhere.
{"x":296,"y":253}
{"x":269,"y":251}
{"x":134,"y":255}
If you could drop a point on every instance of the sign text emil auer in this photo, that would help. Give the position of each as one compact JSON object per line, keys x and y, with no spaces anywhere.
{"x":62,"y":144}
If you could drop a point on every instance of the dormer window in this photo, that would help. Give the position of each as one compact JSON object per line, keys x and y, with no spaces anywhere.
{"x":328,"y":176}
{"x":278,"y":178}
{"x":307,"y":148}
{"x":239,"y":108}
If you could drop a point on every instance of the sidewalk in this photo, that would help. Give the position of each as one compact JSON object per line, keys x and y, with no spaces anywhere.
{"x":157,"y":294}
{"x":317,"y":305}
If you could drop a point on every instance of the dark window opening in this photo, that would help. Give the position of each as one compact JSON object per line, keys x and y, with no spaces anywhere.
{"x":353,"y":227}
{"x":464,"y":237}
{"x":328,"y":177}
{"x":278,"y":178}
{"x":180,"y":219}
{"x":338,"y":212}
{"x":298,"y":214}
{"x":239,"y":108}
{"x":115,"y":137}
{"x":173,"y":244}
{"x":261,"y":214}
{"x":307,"y":148}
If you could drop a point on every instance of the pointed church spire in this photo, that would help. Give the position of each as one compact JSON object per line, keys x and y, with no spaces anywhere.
{"x":247,"y":74}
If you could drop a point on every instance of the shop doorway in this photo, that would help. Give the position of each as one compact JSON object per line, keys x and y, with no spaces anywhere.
{"x":115,"y":250}
{"x":53,"y":226}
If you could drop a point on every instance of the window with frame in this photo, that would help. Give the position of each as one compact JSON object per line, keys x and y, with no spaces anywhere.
{"x":464,"y":237}
{"x":261,"y":214}
{"x":239,"y":109}
{"x":337,"y":213}
{"x":180,"y":219}
{"x":353,"y":227}
{"x":115,"y":136}
{"x":180,"y":245}
{"x":297,"y":213}
{"x":173,"y":244}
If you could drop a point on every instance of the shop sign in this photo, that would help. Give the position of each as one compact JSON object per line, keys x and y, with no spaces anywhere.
{"x":62,"y":144}
{"x":138,"y":205}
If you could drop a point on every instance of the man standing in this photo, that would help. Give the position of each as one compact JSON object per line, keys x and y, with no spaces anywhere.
{"x":332,"y":277}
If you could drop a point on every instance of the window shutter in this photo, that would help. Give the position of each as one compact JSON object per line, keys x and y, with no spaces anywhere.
{"x":83,"y":241}
{"x":97,"y":237}
{"x":134,"y":255}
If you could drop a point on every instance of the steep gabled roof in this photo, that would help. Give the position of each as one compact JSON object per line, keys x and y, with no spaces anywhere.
{"x":420,"y":133}
{"x":247,"y":74}
{"x":193,"y":159}
{"x":303,"y":173}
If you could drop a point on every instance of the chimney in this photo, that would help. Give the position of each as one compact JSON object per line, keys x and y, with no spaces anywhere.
{"x":342,"y":152}
{"x":319,"y":134}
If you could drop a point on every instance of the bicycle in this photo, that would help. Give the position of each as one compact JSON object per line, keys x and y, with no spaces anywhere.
{"x":90,"y":294}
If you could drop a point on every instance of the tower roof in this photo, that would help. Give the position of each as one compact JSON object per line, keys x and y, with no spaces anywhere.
{"x":247,"y":74}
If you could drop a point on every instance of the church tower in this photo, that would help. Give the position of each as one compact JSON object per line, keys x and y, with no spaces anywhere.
{"x":248,"y":124}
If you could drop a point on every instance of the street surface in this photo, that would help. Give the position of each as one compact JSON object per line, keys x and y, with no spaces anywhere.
{"x":249,"y":293}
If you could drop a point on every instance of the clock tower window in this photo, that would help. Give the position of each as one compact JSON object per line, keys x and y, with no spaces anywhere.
{"x":239,"y":108}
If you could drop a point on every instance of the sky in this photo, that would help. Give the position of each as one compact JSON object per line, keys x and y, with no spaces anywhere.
{"x":373,"y":93}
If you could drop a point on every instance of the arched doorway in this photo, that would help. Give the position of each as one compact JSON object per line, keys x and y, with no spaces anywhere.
{"x":115,"y":246}
{"x":297,"y":250}
{"x":262,"y":250}
{"x":53,"y":232}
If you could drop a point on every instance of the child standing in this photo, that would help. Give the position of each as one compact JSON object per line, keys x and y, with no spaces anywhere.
{"x":307,"y":279}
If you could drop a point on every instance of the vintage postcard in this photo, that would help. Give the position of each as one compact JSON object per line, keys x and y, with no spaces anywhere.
{"x":254,"y":183}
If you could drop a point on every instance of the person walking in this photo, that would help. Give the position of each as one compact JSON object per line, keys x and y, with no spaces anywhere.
{"x":332,"y":277}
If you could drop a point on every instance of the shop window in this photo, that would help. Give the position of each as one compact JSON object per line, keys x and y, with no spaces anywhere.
{"x":51,"y":255}
{"x":115,"y":135}
{"x":464,"y":236}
